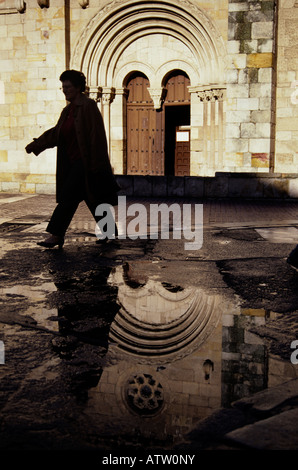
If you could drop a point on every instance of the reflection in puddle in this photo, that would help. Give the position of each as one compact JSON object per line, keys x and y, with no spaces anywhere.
{"x":147,"y":359}
{"x":157,"y":320}
{"x":34,"y":309}
{"x":174,"y":357}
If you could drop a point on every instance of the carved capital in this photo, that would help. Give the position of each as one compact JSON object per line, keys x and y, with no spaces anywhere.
{"x":219,"y":94}
{"x":211,"y":94}
{"x":43,"y":3}
{"x":20,"y":6}
{"x":158,"y":96}
{"x":108,"y":95}
{"x":84,"y":3}
{"x":94,"y":92}
{"x":122,"y":91}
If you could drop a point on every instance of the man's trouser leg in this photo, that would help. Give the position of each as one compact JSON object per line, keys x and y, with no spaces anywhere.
{"x":72,"y":195}
{"x":112,"y":223}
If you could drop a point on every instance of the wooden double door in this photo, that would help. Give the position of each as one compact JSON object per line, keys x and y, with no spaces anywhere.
{"x":151,"y":134}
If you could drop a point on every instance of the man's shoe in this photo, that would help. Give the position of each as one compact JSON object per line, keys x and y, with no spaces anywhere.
{"x":102,"y":241}
{"x":52,"y":241}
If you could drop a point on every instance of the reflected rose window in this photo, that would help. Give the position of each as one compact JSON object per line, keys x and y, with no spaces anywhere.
{"x":144,"y":395}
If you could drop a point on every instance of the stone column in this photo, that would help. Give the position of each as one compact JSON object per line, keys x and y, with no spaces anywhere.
{"x":119,"y":137}
{"x":221,"y":127}
{"x":213,"y":126}
{"x":107,"y":97}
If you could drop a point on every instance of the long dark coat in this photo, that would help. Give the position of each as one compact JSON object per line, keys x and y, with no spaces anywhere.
{"x":100,"y":183}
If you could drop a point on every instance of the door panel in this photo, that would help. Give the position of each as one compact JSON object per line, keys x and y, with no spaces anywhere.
{"x":182,"y":152}
{"x":145,"y":154}
{"x":177,"y":89}
{"x":157,"y":143}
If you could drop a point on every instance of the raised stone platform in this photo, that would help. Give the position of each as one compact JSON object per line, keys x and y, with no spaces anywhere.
{"x":264,"y":421}
{"x":222,"y":185}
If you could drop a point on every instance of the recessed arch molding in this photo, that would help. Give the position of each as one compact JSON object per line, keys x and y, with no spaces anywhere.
{"x":120,"y":23}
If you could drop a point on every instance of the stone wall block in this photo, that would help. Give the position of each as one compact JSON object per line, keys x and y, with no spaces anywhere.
{"x":248,"y":130}
{"x":262,"y":30}
{"x":257,"y":60}
{"x":175,"y":186}
{"x":142,"y":186}
{"x":243,"y":31}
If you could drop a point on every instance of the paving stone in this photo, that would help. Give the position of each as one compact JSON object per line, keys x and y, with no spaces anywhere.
{"x":270,"y":398}
{"x":276,"y":433}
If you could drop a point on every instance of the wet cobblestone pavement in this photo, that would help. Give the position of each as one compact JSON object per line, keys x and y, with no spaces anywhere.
{"x":141,"y":348}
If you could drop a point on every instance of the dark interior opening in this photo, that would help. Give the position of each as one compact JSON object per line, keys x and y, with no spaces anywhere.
{"x":177,"y":115}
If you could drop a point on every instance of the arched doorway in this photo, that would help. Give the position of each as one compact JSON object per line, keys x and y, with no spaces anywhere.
{"x":158,"y":140}
{"x":145,"y":142}
{"x":156,"y":38}
{"x":177,"y":124}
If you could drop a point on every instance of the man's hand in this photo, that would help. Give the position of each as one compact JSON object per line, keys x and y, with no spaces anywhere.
{"x":31,"y":147}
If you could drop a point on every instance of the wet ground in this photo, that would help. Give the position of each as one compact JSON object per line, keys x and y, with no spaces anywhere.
{"x":140,"y":347}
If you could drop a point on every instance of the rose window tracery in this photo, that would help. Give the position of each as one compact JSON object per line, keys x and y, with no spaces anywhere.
{"x":144,"y":394}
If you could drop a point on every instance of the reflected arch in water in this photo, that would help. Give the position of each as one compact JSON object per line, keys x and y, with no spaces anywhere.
{"x":157,"y":320}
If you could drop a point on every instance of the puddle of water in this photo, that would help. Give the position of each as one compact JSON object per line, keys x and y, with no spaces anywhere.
{"x":33,"y":297}
{"x":279,"y":234}
{"x":163,"y":357}
{"x":174,"y":357}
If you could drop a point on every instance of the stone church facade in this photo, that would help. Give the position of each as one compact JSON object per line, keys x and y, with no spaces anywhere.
{"x":188,"y":88}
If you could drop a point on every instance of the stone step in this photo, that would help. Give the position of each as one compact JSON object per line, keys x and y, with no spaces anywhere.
{"x":276,"y":433}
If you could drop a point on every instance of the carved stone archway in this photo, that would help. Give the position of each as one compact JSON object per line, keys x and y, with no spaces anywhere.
{"x":153,"y":38}
{"x":161,"y":321}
